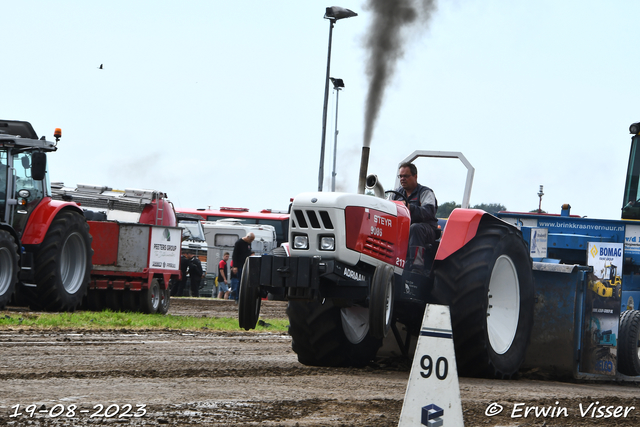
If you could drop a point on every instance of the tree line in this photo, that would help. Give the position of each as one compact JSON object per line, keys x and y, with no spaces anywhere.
{"x":445,"y":209}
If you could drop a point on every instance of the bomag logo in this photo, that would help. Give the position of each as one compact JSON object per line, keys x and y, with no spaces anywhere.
{"x":594,"y":251}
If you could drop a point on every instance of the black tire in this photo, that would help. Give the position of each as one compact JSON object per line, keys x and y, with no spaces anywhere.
{"x":318,"y":337}
{"x":629,"y":343}
{"x":150,"y":298}
{"x":8,"y":267}
{"x":381,"y":301}
{"x":485,"y":346}
{"x":248,"y":301}
{"x":165,"y":301}
{"x":63,"y":263}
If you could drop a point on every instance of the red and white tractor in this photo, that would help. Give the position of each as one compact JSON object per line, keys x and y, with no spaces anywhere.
{"x":347,"y":287}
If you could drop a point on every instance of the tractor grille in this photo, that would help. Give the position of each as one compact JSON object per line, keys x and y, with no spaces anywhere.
{"x":311,"y":219}
{"x":378,"y":248}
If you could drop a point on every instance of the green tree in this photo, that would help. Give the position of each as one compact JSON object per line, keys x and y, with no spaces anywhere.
{"x":492,"y":208}
{"x":445,"y":209}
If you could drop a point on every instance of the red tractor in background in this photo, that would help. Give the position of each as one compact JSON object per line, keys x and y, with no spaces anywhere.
{"x":61,"y":247}
{"x":45,"y":244}
{"x":347,"y":286}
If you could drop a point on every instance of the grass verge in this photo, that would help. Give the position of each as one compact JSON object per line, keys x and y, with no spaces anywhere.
{"x":110,"y":320}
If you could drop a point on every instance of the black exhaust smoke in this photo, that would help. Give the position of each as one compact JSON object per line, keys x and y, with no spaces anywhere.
{"x":385,"y":43}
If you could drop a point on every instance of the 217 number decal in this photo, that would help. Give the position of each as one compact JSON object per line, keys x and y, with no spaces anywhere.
{"x":441,"y":367}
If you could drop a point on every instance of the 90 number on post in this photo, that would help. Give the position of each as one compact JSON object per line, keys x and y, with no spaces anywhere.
{"x":441,"y":367}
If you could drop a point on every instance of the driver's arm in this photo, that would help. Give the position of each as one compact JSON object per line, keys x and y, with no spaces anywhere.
{"x":426,"y":212}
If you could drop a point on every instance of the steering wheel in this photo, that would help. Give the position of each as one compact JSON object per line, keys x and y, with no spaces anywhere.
{"x":406,"y":201}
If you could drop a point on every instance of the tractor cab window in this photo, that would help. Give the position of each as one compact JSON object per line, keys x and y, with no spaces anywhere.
{"x":24,"y":180}
{"x":631,"y":202}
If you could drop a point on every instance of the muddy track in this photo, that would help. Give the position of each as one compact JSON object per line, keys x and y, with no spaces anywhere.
{"x":245,"y":378}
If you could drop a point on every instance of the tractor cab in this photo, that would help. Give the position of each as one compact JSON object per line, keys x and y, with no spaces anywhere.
{"x":631,"y":202}
{"x":23,"y":177}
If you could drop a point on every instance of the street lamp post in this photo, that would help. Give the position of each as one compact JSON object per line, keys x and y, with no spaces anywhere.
{"x":333,"y":14}
{"x":338,"y":85}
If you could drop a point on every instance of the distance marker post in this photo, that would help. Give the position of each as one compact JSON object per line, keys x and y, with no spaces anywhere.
{"x":433,"y":395}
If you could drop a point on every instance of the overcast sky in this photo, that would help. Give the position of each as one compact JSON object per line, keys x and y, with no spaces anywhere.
{"x":220,"y":103}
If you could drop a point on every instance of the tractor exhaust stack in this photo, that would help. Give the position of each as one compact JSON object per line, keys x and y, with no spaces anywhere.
{"x":364,"y":163}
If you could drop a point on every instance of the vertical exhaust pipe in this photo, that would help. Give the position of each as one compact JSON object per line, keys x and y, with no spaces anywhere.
{"x":364,"y":164}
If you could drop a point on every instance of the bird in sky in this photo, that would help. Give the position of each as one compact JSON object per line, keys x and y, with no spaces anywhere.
{"x":100,"y":67}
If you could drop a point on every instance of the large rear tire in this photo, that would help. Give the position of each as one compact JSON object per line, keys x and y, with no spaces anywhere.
{"x":629,"y":343}
{"x":488,"y":285}
{"x":63,"y":263}
{"x":319,"y":339}
{"x":381,"y":301}
{"x":8,"y":267}
{"x":248,"y":301}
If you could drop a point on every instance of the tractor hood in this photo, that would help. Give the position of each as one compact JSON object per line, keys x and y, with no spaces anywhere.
{"x":342,"y":200}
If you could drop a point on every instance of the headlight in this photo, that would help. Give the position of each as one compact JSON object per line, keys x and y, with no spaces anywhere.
{"x":327,"y":243}
{"x":301,"y":242}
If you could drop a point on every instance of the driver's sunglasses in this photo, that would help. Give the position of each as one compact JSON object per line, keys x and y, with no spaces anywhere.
{"x":404,"y":176}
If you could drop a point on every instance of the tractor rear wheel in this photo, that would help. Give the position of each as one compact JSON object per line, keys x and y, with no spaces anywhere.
{"x":319,"y":338}
{"x":63,"y":263}
{"x":629,"y":343}
{"x":248,"y":301}
{"x":488,"y":285}
{"x":8,"y":267}
{"x":381,"y":301}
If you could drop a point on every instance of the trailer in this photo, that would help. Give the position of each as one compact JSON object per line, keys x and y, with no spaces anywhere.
{"x":136,"y":246}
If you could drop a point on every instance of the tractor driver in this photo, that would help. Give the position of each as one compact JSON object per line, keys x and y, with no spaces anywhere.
{"x":423,"y":205}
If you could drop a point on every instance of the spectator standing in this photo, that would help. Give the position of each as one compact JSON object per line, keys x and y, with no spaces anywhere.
{"x":224,"y":279}
{"x":178,"y":288}
{"x":235,"y":282}
{"x":195,"y":274}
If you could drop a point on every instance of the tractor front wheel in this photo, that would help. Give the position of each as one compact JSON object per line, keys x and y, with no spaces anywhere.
{"x":248,"y":301}
{"x":381,"y":301}
{"x":488,"y":285}
{"x":324,"y":335}
{"x":8,"y":267}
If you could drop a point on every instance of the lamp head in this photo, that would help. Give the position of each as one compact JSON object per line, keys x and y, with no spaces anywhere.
{"x":337,"y":83}
{"x":336,"y":12}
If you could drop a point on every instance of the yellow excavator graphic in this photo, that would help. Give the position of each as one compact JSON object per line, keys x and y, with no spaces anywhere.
{"x":610,"y":287}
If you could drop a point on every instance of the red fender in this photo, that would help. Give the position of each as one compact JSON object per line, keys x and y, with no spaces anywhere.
{"x":41,"y":218}
{"x":461,"y":227}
